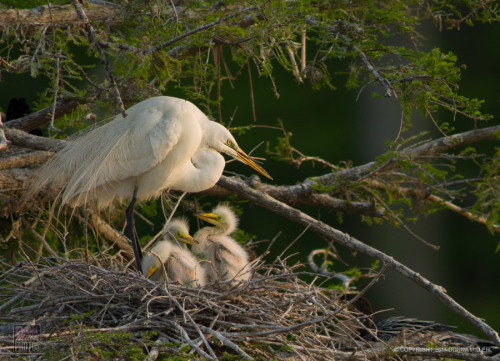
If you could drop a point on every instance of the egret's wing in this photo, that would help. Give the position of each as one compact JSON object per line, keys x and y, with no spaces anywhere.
{"x":118,"y":150}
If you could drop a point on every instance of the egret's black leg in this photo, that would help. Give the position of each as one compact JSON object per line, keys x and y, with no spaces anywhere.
{"x":132,"y":233}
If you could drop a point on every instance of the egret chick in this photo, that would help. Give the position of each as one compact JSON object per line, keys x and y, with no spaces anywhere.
{"x":179,"y":263}
{"x":225,"y":258}
{"x":163,"y":143}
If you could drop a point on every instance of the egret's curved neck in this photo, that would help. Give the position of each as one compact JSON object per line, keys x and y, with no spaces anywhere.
{"x":202,"y":172}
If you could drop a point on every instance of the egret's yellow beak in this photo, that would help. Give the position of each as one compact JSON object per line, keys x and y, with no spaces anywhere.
{"x":211,"y":218}
{"x":151,"y":271}
{"x":186,"y":238}
{"x":245,"y":158}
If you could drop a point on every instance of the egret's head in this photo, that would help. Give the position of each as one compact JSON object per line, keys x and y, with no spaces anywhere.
{"x":178,"y":230}
{"x":224,"y":142}
{"x":222,"y":217}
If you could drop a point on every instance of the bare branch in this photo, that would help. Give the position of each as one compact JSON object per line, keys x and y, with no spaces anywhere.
{"x":43,"y":116}
{"x":57,"y":15}
{"x":23,"y":139}
{"x":25,"y":159}
{"x":40,"y":238}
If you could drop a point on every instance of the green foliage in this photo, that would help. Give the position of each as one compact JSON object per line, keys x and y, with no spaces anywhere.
{"x":147,"y":58}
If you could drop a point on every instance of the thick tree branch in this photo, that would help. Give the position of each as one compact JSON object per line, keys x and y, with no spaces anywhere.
{"x":43,"y":116}
{"x":57,"y":15}
{"x":322,"y":200}
{"x":25,"y":159}
{"x":266,"y":201}
{"x":25,"y":140}
{"x":303,"y":193}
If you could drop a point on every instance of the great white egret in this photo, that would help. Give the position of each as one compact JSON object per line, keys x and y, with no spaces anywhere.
{"x":163,"y":143}
{"x":178,"y":263}
{"x":224,"y":258}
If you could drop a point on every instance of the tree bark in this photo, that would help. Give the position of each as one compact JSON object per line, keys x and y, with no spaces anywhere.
{"x":56,"y":15}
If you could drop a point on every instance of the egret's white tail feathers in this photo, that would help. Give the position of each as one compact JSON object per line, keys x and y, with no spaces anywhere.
{"x":81,"y":167}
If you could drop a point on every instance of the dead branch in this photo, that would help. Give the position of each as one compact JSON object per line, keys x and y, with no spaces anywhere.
{"x":43,"y":116}
{"x":24,"y":159}
{"x":57,"y":15}
{"x":25,"y":140}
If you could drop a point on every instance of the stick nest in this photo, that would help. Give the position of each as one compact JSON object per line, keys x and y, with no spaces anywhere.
{"x":274,"y":315}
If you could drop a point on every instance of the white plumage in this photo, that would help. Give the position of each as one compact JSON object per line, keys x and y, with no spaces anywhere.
{"x":224,"y":258}
{"x":163,"y":143}
{"x":179,"y":264}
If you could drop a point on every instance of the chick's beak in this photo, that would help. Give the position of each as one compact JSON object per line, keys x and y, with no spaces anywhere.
{"x":151,"y":271}
{"x":186,"y":238}
{"x":243,"y":157}
{"x":209,"y":217}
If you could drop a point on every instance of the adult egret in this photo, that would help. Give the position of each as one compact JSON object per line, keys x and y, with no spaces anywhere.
{"x":163,"y":143}
{"x":178,"y":263}
{"x":225,"y":259}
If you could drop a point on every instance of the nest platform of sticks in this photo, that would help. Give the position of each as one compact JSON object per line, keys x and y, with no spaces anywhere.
{"x":275,"y":315}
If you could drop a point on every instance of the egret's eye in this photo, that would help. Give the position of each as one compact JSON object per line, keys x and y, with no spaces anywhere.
{"x":230,"y":143}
